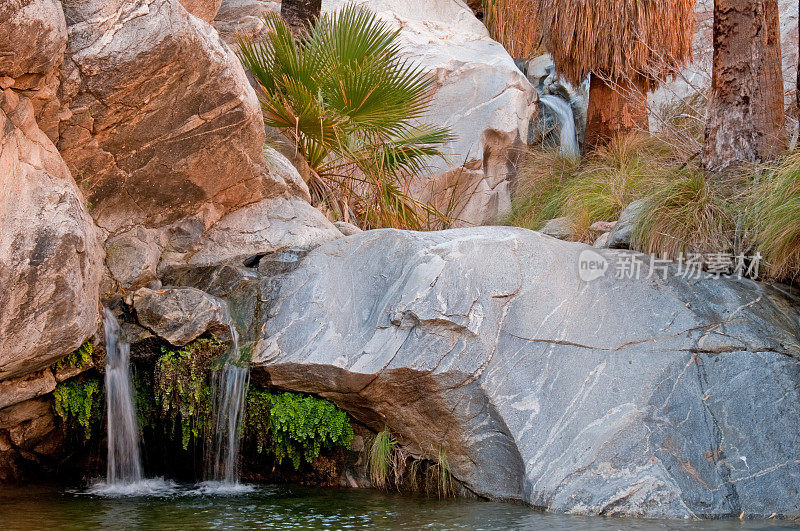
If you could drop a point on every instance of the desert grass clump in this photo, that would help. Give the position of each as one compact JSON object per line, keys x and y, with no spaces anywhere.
{"x":595,"y":189}
{"x":543,"y":175}
{"x":380,"y":458}
{"x":353,"y":108}
{"x":514,"y":24}
{"x":776,"y":218}
{"x":685,"y":215}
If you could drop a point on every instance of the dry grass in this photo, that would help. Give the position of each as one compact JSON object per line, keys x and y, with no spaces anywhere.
{"x":776,"y":219}
{"x":618,"y":38}
{"x":596,"y":189}
{"x":514,"y":24}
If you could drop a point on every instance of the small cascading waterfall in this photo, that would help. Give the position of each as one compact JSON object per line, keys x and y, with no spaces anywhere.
{"x":568,"y":139}
{"x":124,"y":459}
{"x":229,"y":395}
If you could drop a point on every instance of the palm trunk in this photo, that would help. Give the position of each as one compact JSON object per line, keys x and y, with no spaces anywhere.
{"x":614,"y":110}
{"x":300,"y":14}
{"x":746,"y":121}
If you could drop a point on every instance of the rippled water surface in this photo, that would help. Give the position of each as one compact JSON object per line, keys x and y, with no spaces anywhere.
{"x":209,"y":506}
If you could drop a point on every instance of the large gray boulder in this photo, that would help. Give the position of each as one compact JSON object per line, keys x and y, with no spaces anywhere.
{"x":618,"y":396}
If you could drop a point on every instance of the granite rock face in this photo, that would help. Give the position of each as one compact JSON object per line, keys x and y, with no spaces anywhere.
{"x":164,"y":133}
{"x":244,"y":17}
{"x":164,"y":124}
{"x":50,"y":258}
{"x":614,"y":396}
{"x":204,"y":9}
{"x":33,"y":36}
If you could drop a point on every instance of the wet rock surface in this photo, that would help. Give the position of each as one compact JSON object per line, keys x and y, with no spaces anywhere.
{"x":181,"y":315}
{"x":645,"y":397}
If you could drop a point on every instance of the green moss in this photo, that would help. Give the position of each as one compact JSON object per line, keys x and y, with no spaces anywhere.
{"x":296,"y":427}
{"x":79,"y":403}
{"x":79,"y":358}
{"x":181,"y":390}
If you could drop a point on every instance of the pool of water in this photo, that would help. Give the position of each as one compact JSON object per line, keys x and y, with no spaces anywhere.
{"x":164,"y":505}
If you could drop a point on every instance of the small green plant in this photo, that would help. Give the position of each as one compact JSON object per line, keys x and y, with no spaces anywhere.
{"x":79,"y":402}
{"x":776,"y":218}
{"x":686,"y":215}
{"x":380,"y":458}
{"x":352,"y":106}
{"x":445,"y":487}
{"x":79,"y":358}
{"x":259,"y":404}
{"x":296,"y":427}
{"x":182,"y":393}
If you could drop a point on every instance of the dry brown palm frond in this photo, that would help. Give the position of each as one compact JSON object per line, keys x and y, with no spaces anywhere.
{"x":618,"y":37}
{"x":515,"y":25}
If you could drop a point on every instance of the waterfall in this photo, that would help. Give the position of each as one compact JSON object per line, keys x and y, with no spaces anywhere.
{"x":568,"y":140}
{"x":124,"y":460}
{"x":229,"y":395}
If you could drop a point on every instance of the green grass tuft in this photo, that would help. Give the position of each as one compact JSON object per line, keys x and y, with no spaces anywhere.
{"x":776,"y":218}
{"x":686,"y":215}
{"x":598,"y":188}
{"x":380,"y":458}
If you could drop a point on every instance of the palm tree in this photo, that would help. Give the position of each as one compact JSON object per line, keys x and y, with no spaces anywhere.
{"x":352,"y":106}
{"x":628,"y":46}
{"x":300,"y":14}
{"x":746,"y":120}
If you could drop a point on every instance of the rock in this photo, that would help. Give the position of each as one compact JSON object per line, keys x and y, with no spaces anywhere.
{"x":262,"y":227}
{"x":14,"y":391}
{"x":584,"y":397}
{"x":193,"y":141}
{"x":479,"y":92}
{"x":181,"y":315}
{"x":50,"y":259}
{"x":33,"y":36}
{"x":133,"y":256}
{"x":602,"y":241}
{"x":602,"y":226}
{"x":182,"y":174}
{"x":280,"y":164}
{"x":205,"y":9}
{"x":620,"y":235}
{"x":347,"y":229}
{"x":559,"y":228}
{"x":244,"y":17}
{"x":14,"y":415}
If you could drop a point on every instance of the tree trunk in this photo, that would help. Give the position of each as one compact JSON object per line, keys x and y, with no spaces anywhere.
{"x":746,"y":121}
{"x":614,"y":108}
{"x":300,"y":14}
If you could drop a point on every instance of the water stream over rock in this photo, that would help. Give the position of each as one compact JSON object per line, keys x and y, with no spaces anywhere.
{"x":124,"y":459}
{"x":568,"y":140}
{"x":229,"y":395}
